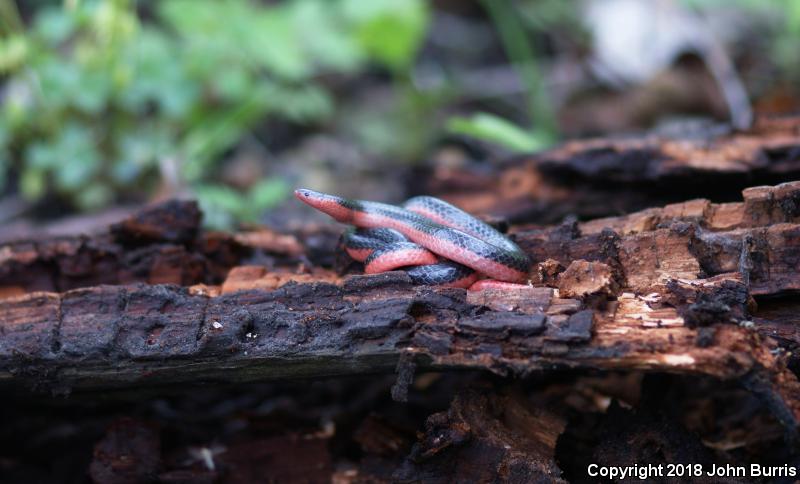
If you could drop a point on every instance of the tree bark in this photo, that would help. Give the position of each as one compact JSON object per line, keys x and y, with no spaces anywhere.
{"x":674,"y":290}
{"x":608,"y":176}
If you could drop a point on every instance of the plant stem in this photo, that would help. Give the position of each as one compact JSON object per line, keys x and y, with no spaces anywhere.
{"x":522,"y":56}
{"x":10,"y":19}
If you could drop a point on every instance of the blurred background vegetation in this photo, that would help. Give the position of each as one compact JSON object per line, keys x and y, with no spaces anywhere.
{"x":118,"y":102}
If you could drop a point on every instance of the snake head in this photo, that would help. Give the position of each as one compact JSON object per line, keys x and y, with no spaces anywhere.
{"x":336,"y":207}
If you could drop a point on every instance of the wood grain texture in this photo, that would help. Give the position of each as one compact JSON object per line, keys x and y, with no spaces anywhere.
{"x":600,"y":177}
{"x":662,"y":290}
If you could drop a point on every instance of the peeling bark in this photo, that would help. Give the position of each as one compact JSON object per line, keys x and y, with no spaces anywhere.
{"x":486,"y":439}
{"x":607,"y":176}
{"x":662,"y":290}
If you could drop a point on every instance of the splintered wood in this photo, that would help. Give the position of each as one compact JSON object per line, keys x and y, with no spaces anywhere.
{"x":694,"y":288}
{"x":679,"y":287}
{"x":608,"y":176}
{"x":667,"y":289}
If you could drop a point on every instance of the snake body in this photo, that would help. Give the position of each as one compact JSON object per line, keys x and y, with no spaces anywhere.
{"x":411,"y":234}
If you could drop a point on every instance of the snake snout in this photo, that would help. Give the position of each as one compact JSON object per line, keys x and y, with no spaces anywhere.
{"x":302,"y":193}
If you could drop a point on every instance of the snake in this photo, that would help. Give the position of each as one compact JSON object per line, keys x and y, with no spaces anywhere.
{"x":444,"y":245}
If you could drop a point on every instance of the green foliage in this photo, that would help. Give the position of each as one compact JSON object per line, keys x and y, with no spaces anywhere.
{"x":493,"y":129}
{"x":782,"y":41}
{"x":390,"y":30}
{"x":509,"y":22}
{"x":224,"y":207}
{"x":98,"y":101}
{"x":785,"y":49}
{"x":521,"y":53}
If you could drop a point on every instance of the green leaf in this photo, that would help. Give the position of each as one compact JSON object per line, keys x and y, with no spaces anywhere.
{"x":221,"y":205}
{"x":93,"y":196}
{"x":224,"y":207}
{"x":54,"y":25}
{"x":139,"y":150}
{"x":524,"y":60}
{"x":32,"y":184}
{"x":5,"y":162}
{"x":77,"y":158}
{"x":59,"y":81}
{"x":41,"y":155}
{"x":494,"y":129}
{"x":157,"y":78}
{"x":14,"y":51}
{"x":233,"y":84}
{"x":267,"y":193}
{"x":94,"y":92}
{"x":254,"y":35}
{"x":331,"y":45}
{"x":97,"y":95}
{"x":217,"y":131}
{"x":275,"y":44}
{"x":391,"y":31}
{"x":302,"y":104}
{"x":114,"y":21}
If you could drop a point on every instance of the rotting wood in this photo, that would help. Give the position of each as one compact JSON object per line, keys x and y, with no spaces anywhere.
{"x":157,"y":246}
{"x":486,"y":438}
{"x":671,"y":290}
{"x":607,"y":176}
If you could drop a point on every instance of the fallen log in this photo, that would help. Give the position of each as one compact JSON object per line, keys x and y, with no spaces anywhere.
{"x":608,"y":176}
{"x":486,"y":438}
{"x":666,"y":290}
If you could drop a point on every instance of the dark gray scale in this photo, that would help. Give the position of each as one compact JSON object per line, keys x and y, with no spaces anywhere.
{"x":464,"y":231}
{"x":392,"y":247}
{"x":419,"y":222}
{"x":461,"y":220}
{"x":514,"y":259}
{"x":385,"y":234}
{"x":439,"y":274}
{"x":372,"y":238}
{"x":488,"y":251}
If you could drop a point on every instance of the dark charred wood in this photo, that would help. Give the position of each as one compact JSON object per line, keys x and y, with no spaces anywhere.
{"x":172,"y":221}
{"x":630,"y":439}
{"x":602,"y":177}
{"x":486,"y":439}
{"x":671,"y":289}
{"x":129,"y":453}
